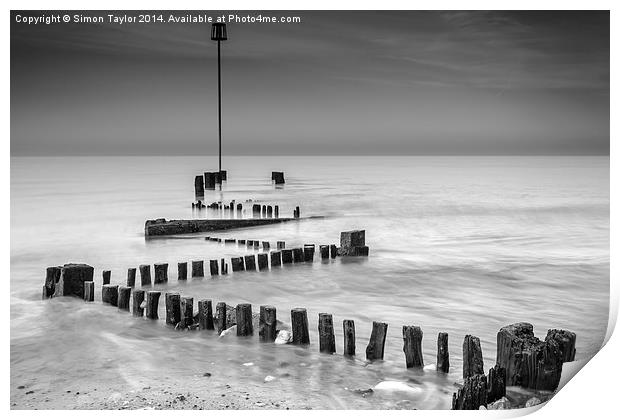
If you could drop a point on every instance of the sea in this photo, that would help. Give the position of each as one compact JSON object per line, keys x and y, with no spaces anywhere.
{"x":463,"y":245}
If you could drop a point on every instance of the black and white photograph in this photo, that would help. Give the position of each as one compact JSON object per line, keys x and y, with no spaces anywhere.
{"x":307,"y":209}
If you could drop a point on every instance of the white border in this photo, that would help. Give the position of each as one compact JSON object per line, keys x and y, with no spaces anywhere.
{"x":591,"y":393}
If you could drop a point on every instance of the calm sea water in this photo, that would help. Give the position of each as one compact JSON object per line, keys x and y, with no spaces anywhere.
{"x":464,"y":245}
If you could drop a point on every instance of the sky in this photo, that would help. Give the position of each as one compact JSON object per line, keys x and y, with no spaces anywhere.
{"x":338,"y":83}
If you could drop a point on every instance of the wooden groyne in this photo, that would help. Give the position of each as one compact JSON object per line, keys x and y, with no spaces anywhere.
{"x":161,"y":227}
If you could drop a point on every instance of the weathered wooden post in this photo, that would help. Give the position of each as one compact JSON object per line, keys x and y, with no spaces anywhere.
{"x":324,"y":250}
{"x":145,"y":275}
{"x":299,"y":325}
{"x":250,"y":262}
{"x":266,"y":246}
{"x":296,"y":213}
{"x":276,"y":259}
{"x":348,"y":326}
{"x":106,"y":276}
{"x":131,"y":277}
{"x":67,"y":280}
{"x":199,"y":186}
{"x":89,"y":291}
{"x":472,"y":395}
{"x":198,"y":269}
{"x":256,"y":211}
{"x":530,"y":362}
{"x":138,"y":298}
{"x":308,"y":252}
{"x":276,"y":212}
{"x":152,"y":304}
{"x":267,"y":323}
{"x":496,"y":383}
{"x":124,"y":293}
{"x":229,"y":241}
{"x":287,"y":256}
{"x":173,"y":308}
{"x":109,"y":294}
{"x":256,"y":244}
{"x":161,"y":273}
{"x":412,"y":346}
{"x":187,"y":311}
{"x":281,"y":245}
{"x":182,"y":270}
{"x":244,"y":319}
{"x":333,"y":251}
{"x":249,"y":244}
{"x":209,"y":180}
{"x":264,"y":212}
{"x":327,"y":339}
{"x":270,"y":212}
{"x":376,"y":345}
{"x":473,"y":363}
{"x":262,"y":262}
{"x":298,"y":255}
{"x":239,"y":211}
{"x":224,"y":266}
{"x":213,"y":267}
{"x":277,"y":177}
{"x":205,"y":314}
{"x":443,"y":355}
{"x":236,"y":264}
{"x":220,"y":315}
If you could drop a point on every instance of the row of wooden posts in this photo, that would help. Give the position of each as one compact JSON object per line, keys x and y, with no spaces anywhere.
{"x":244,"y":263}
{"x":209,"y":180}
{"x":236,"y":211}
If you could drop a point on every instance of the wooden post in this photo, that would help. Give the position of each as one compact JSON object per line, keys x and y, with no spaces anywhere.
{"x":205,"y":314}
{"x":198,"y":269}
{"x":348,"y":325}
{"x":496,"y":383}
{"x":264,"y":212}
{"x":473,"y":363}
{"x":472,"y":395}
{"x":324,"y":250}
{"x":145,"y":275}
{"x":161,"y":273}
{"x":229,"y":241}
{"x":106,"y":276}
{"x":281,"y":245}
{"x":199,"y":186}
{"x":333,"y":251}
{"x":220,"y":315}
{"x":266,"y":246}
{"x":89,"y":291}
{"x":237,"y":264}
{"x":187,"y":311}
{"x":240,"y":242}
{"x":443,"y":355}
{"x":327,"y":340}
{"x":298,"y":255}
{"x":256,"y":244}
{"x":566,"y":342}
{"x":250,"y":263}
{"x":256,"y":211}
{"x":262,"y":262}
{"x":138,"y":298}
{"x":276,"y":212}
{"x":276,"y":259}
{"x":308,"y":253}
{"x":299,"y":325}
{"x":297,"y":213}
{"x":412,"y":346}
{"x":224,"y":266}
{"x":239,"y":211}
{"x":213,"y":267}
{"x":209,"y":180}
{"x":244,"y":320}
{"x":287,"y":256}
{"x":109,"y":294}
{"x":124,"y":293}
{"x":376,"y":345}
{"x":152,"y":304}
{"x":267,"y":323}
{"x":131,"y":277}
{"x":277,"y":177}
{"x":173,"y":308}
{"x":182,"y":270}
{"x":269,"y":212}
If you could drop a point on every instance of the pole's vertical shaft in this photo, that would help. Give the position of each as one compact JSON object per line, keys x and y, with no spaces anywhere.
{"x":219,"y":109}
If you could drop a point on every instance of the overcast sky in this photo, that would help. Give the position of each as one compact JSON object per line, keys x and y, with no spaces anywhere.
{"x":336,"y":83}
